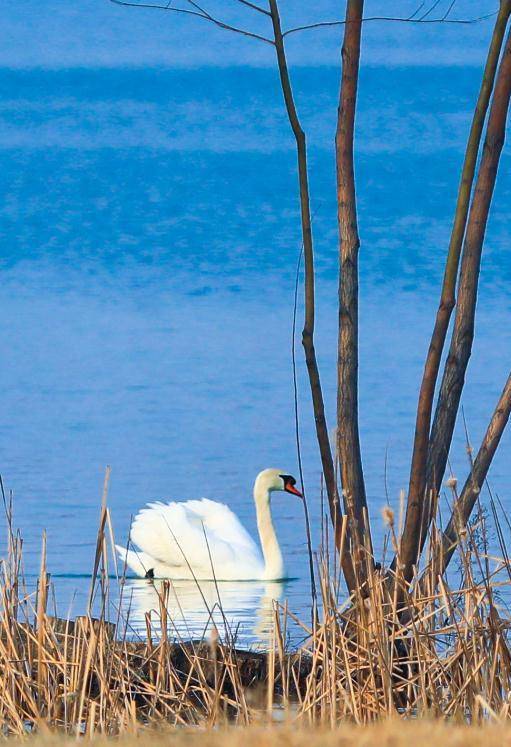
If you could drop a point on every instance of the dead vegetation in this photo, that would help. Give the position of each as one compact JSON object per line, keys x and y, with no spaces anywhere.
{"x":391,"y":650}
{"x":384,"y":734}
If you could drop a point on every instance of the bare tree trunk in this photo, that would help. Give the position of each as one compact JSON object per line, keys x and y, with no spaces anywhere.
{"x":468,"y":497}
{"x":463,"y":333}
{"x":348,"y":441}
{"x":308,"y":329}
{"x":418,"y":513}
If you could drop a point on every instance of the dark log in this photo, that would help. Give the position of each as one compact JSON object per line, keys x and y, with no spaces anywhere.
{"x":251,"y":666}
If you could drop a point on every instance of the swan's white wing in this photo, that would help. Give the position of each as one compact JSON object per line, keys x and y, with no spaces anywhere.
{"x":220,"y":521}
{"x":173,"y":534}
{"x":138,"y":561}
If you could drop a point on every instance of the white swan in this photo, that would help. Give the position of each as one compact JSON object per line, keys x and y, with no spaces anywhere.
{"x":203,"y":539}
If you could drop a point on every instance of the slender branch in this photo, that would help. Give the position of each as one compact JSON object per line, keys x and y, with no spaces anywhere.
{"x":198,"y":13}
{"x":297,"y":438}
{"x":468,"y":497}
{"x":430,"y":10}
{"x":254,"y":7}
{"x":417,"y":10}
{"x":461,"y":342}
{"x":418,"y":513}
{"x":444,"y":548}
{"x":410,"y":19}
{"x":308,"y":329}
{"x":448,"y":11}
{"x":348,"y":441}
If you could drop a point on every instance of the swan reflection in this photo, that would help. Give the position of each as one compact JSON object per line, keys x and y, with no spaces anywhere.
{"x":238,"y":609}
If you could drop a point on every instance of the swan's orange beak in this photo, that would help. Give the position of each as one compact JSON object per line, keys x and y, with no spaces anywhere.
{"x":291,"y":489}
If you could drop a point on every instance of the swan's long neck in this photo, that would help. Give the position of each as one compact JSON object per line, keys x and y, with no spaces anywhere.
{"x":273,"y":562}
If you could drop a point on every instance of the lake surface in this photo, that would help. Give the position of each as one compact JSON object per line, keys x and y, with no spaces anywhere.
{"x":149,"y":239}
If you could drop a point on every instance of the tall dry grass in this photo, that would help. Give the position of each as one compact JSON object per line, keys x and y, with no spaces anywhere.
{"x":389,"y":652}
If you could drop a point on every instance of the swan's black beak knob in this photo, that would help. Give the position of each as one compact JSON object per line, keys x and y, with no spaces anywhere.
{"x":290,"y":485}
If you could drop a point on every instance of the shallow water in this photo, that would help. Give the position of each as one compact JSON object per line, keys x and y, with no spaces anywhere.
{"x":150,"y":236}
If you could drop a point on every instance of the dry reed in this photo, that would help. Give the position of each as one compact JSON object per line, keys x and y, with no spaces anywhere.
{"x":390,"y":651}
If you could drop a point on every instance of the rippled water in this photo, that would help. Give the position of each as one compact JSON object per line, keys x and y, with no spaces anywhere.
{"x":150,"y":235}
{"x":240,"y":611}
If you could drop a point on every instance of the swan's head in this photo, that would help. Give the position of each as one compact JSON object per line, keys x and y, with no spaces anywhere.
{"x":271,"y":480}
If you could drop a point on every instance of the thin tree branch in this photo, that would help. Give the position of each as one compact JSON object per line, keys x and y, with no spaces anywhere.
{"x":463,"y":333}
{"x":297,"y":438}
{"x":448,"y":11}
{"x":429,"y":11}
{"x":468,"y":497}
{"x":409,"y":19}
{"x":308,"y":329}
{"x":418,"y":512}
{"x":465,"y":502}
{"x":417,"y":10}
{"x":348,"y":441}
{"x":198,"y":13}
{"x":254,"y":7}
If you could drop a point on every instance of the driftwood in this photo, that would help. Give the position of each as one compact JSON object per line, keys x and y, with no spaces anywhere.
{"x":252,"y":668}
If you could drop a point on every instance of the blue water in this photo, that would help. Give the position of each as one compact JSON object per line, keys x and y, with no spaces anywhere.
{"x":149,"y":235}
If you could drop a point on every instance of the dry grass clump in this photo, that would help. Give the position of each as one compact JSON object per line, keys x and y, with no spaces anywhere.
{"x":421,"y":651}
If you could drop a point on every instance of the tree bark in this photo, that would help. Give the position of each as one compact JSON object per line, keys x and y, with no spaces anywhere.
{"x":308,"y":329}
{"x":348,"y":440}
{"x":418,"y":513}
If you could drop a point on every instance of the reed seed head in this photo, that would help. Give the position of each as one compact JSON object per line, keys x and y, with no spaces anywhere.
{"x":388,"y":516}
{"x":213,"y":637}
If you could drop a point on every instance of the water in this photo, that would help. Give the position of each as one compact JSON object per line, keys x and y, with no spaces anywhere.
{"x":150,"y":233}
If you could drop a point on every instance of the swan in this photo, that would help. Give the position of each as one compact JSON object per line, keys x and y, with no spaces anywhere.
{"x":205,"y":540}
